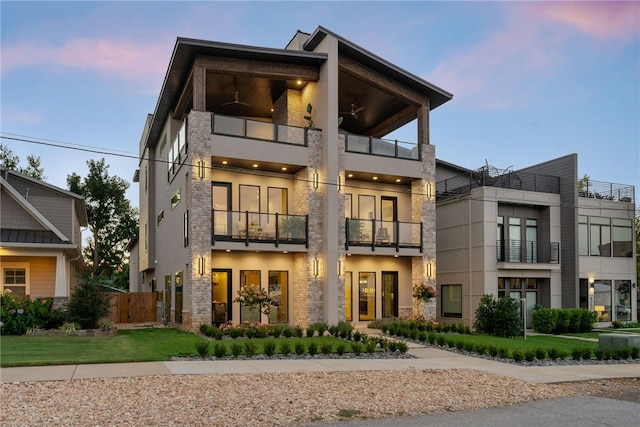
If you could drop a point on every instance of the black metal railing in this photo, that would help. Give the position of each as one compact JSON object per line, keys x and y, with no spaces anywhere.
{"x":381,"y":147}
{"x":253,"y":129}
{"x":606,"y":191}
{"x":259,"y":227}
{"x":462,"y":185}
{"x":528,"y":251}
{"x":389,"y":234}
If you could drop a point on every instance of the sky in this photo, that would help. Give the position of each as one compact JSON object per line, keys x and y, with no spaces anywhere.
{"x":531,"y":81}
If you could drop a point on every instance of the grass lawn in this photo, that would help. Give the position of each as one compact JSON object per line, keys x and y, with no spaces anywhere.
{"x":532,"y":342}
{"x":142,"y":345}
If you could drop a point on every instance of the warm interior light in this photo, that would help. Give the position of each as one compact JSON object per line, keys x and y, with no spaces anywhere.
{"x":599,"y":308}
{"x":299,"y":81}
{"x":255,"y":165}
{"x":224,"y":162}
{"x":350,"y":175}
{"x":398,"y":180}
{"x":375,"y":178}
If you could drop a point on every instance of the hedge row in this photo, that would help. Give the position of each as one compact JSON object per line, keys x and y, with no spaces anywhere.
{"x":563,"y":320}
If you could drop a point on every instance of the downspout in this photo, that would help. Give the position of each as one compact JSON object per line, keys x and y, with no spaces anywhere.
{"x":470,"y":263}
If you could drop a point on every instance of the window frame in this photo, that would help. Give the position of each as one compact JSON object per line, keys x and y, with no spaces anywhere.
{"x":16,"y":266}
{"x":444,"y":291}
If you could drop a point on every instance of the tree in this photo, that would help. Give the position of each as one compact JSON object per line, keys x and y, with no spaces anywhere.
{"x":11,"y":161}
{"x":88,"y":304}
{"x":583,"y":184}
{"x":112,"y":220}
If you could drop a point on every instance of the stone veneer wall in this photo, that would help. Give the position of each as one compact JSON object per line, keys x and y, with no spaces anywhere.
{"x":197,"y":289}
{"x":341,"y":228}
{"x":423,"y":209}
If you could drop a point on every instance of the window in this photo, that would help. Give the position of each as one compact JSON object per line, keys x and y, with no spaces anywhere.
{"x":14,"y":277}
{"x":250,"y":278}
{"x":514,"y":239}
{"x":161,"y":217}
{"x":531,"y":231}
{"x":602,"y":300}
{"x":451,"y":301}
{"x":347,"y":206}
{"x":278,"y":292}
{"x":500,"y":238}
{"x":178,"y":151}
{"x":175,"y":200}
{"x":348,"y":278}
{"x":249,"y":198}
{"x":366,"y":207}
{"x":623,"y":300}
{"x":367,"y":299}
{"x":583,"y":235}
{"x":600,"y":236}
{"x":277,"y":200}
{"x":185,"y":229}
{"x":622,"y":238}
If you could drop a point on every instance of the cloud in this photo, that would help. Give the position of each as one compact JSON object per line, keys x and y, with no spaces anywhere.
{"x":16,"y":116}
{"x":602,"y":19}
{"x":110,"y":57}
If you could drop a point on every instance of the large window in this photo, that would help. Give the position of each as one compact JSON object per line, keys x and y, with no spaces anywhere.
{"x":623,"y":300}
{"x":451,"y":301}
{"x":367,"y":287}
{"x":514,"y":239}
{"x":250,"y":278}
{"x":14,"y":277}
{"x":366,"y":207}
{"x":583,"y":235}
{"x":622,"y":238}
{"x":278,"y":292}
{"x":531,"y":240}
{"x":600,"y":236}
{"x":277,"y":200}
{"x":249,"y":198}
{"x":602,"y":300}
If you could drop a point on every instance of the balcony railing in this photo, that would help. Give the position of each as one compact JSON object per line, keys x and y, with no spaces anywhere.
{"x":528,"y":251}
{"x":381,"y":147}
{"x":259,"y":227}
{"x":606,"y":191}
{"x":387,"y":234}
{"x":265,"y":131}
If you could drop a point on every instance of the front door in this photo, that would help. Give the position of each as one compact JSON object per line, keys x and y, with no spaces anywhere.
{"x":220,"y":295}
{"x":367,"y":297}
{"x":389,"y":294}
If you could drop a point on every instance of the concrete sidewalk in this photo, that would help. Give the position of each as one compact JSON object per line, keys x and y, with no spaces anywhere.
{"x":426,"y":358}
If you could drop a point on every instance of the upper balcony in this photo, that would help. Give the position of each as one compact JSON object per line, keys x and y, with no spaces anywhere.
{"x":259,"y":228}
{"x":606,"y":191}
{"x":381,"y":147}
{"x":517,"y":251}
{"x":258,"y":130}
{"x":383,"y":234}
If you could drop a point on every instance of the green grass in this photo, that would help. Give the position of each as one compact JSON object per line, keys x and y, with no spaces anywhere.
{"x":532,"y":342}
{"x":141,"y":345}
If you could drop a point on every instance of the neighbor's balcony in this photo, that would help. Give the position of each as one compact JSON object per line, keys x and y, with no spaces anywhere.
{"x":528,"y":252}
{"x":383,"y":234}
{"x":607,"y":191}
{"x":381,"y":147}
{"x":257,"y":227}
{"x":253,"y":129}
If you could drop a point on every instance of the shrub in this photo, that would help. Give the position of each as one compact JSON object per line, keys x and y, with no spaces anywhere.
{"x":493,"y":350}
{"x":544,"y":320}
{"x":530,"y":355}
{"x":541,"y":353}
{"x":88,"y":304}
{"x":299,"y":348}
{"x":298,"y":331}
{"x":236,"y":349}
{"x":357,"y":348}
{"x":321,"y":328}
{"x":503,"y":353}
{"x":341,"y":348}
{"x":480,"y":348}
{"x":371,"y":346}
{"x":219,"y":350}
{"x":250,"y":348}
{"x":553,"y":353}
{"x":261,"y":332}
{"x":587,"y":320}
{"x":440,"y":339}
{"x":288,"y":331}
{"x":202,"y":347}
{"x":250,"y":332}
{"x":313,"y":348}
{"x":285,"y":348}
{"x":357,"y":336}
{"x":459,"y":344}
{"x":564,"y":318}
{"x":635,"y":352}
{"x":392,"y":346}
{"x":517,"y":355}
{"x":235,"y":333}
{"x":581,"y":353}
{"x":276,"y":330}
{"x":431,"y":337}
{"x":269,"y":348}
{"x":310,"y":331}
{"x":402,"y":347}
{"x":19,"y":314}
{"x":574,"y":319}
{"x":485,"y":314}
{"x":326,"y":348}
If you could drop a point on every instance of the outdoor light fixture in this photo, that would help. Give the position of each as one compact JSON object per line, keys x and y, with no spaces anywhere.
{"x":201,"y":166}
{"x":428,"y":191}
{"x":201,"y":266}
{"x":340,"y":268}
{"x":315,"y":267}
{"x":339,"y":183}
{"x":429,"y":269}
{"x":315,"y":180}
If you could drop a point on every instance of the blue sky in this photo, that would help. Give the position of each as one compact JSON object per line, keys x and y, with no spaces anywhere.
{"x":532,"y":81}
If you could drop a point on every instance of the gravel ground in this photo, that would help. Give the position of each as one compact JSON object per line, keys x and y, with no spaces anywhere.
{"x":281,"y":399}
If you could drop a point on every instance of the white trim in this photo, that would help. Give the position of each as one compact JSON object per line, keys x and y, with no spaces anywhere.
{"x":35,"y":213}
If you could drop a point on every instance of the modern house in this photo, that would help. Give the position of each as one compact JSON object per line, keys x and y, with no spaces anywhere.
{"x":269,"y":168}
{"x":40,"y":237}
{"x":537,"y":235}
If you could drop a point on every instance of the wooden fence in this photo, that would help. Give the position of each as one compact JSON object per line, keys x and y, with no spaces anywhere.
{"x":133,"y":307}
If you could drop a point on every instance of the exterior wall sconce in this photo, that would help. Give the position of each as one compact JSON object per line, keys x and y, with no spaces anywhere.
{"x":315,"y":267}
{"x":201,"y":266}
{"x":340,"y":268}
{"x":315,"y":180}
{"x":201,"y":166}
{"x":339,"y":183}
{"x":428,"y":191}
{"x":429,"y":267}
{"x":633,"y":285}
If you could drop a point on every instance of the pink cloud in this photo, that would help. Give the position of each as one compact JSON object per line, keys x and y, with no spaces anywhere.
{"x":602,"y":19}
{"x":111,"y":57}
{"x":16,"y":116}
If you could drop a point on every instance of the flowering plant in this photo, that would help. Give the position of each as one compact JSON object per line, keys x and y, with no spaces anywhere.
{"x":424,"y":292}
{"x":254,"y":298}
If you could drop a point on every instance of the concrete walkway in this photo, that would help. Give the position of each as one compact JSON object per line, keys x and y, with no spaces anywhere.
{"x":426,"y":358}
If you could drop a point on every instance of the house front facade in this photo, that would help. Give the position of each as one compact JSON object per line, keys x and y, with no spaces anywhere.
{"x":269,"y":169}
{"x":40,"y":237}
{"x":537,"y":236}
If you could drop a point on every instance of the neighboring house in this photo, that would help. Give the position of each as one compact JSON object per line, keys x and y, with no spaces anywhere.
{"x":537,"y":237}
{"x":239,"y":188}
{"x":40,"y":237}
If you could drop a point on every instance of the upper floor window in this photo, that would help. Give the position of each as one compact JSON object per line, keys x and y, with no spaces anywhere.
{"x":178,"y":151}
{"x":622,"y":238}
{"x":175,"y":200}
{"x":600,"y":240}
{"x":583,"y":235}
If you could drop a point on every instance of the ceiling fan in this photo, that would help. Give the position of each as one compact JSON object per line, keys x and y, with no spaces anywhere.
{"x":236,"y":100}
{"x":354,"y":111}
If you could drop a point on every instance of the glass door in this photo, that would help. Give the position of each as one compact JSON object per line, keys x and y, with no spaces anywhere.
{"x":221,"y":196}
{"x":220,"y":295}
{"x":532,"y":300}
{"x":367,"y":300}
{"x":251,"y":279}
{"x":388,"y":216}
{"x":389,"y":294}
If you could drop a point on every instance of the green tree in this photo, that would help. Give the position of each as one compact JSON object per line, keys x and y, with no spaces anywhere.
{"x":112,"y":220}
{"x":11,"y":161}
{"x":88,"y":304}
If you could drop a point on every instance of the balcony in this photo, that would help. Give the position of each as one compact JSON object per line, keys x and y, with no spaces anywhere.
{"x":606,"y":191}
{"x":253,"y":129}
{"x":527,"y":252}
{"x":383,"y":234}
{"x":254,"y":227}
{"x":381,"y":147}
